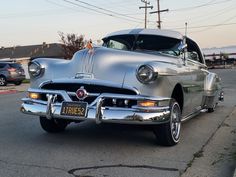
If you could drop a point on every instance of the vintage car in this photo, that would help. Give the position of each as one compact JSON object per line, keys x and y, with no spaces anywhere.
{"x":140,"y":76}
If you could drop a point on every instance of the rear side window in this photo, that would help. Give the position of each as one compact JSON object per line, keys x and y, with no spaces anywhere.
{"x":121,"y":42}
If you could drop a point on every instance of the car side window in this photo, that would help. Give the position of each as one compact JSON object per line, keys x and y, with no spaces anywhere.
{"x":193,"y":56}
{"x":116,"y":45}
{"x":194,"y":52}
{"x":120,"y":42}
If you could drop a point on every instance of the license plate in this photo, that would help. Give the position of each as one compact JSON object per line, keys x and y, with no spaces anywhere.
{"x":78,"y":109}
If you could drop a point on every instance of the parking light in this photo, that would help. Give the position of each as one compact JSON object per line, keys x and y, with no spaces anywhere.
{"x":34,"y":96}
{"x":147,"y":103}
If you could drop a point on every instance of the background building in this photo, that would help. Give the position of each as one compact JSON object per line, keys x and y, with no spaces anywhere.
{"x":23,"y":54}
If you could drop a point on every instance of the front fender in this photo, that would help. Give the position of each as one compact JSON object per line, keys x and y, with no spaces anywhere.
{"x":53,"y":68}
{"x":164,"y":68}
{"x":160,"y":87}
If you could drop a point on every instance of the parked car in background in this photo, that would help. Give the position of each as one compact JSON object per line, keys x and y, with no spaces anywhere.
{"x":11,"y":73}
{"x":142,"y":76}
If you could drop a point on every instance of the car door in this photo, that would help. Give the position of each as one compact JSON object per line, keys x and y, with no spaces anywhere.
{"x":197,"y":66}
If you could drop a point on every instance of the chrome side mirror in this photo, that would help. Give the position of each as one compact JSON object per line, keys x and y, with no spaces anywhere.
{"x":182,"y":47}
{"x":193,"y":56}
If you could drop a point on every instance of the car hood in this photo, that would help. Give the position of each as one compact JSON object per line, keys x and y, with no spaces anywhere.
{"x":112,"y":65}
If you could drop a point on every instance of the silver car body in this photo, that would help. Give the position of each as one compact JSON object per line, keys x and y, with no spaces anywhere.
{"x":110,"y":74}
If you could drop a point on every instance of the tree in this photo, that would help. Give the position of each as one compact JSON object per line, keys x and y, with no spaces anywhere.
{"x":71,"y":44}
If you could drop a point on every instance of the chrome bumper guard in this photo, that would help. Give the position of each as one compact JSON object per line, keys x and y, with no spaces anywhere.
{"x":135,"y":115}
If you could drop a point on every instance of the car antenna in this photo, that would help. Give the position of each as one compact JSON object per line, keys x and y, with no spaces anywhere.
{"x":185,"y":42}
{"x":186,"y":28}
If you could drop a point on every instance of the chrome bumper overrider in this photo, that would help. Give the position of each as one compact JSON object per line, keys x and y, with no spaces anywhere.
{"x":135,"y":115}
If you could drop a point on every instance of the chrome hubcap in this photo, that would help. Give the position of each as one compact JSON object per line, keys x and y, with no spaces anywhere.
{"x":175,"y":122}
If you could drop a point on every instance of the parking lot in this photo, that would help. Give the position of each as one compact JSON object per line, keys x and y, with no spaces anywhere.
{"x":207,"y":146}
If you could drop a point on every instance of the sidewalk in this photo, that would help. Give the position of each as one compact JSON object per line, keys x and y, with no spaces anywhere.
{"x":11,"y":88}
{"x":217,"y":158}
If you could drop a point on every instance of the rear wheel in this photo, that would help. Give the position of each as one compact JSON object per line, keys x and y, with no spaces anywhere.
{"x":168,"y":134}
{"x":210,"y":110}
{"x":53,"y":125}
{"x":3,"y":81}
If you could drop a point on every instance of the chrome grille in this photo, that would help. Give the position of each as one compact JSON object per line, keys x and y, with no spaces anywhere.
{"x":93,"y":92}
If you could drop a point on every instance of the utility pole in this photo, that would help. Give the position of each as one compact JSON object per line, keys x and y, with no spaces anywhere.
{"x":158,"y":12}
{"x":145,"y":7}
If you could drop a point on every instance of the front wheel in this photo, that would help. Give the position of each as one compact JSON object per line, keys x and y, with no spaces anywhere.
{"x":53,"y":125}
{"x":210,"y":110}
{"x":168,"y":134}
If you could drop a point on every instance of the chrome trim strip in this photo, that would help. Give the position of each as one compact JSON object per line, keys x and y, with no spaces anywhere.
{"x":151,"y":109}
{"x":45,"y":82}
{"x":184,"y":119}
{"x":133,"y":97}
{"x":88,"y":82}
{"x":89,"y":94}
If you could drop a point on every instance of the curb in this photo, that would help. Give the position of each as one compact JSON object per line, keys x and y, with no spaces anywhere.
{"x":8,"y":92}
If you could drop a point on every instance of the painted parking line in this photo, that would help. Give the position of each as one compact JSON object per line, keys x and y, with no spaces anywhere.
{"x":7,"y":92}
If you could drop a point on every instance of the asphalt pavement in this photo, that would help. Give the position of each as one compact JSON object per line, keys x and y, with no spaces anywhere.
{"x":12,"y":88}
{"x":207,"y":146}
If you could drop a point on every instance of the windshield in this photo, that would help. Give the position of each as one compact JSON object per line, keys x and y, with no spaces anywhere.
{"x":144,"y":43}
{"x":121,"y":42}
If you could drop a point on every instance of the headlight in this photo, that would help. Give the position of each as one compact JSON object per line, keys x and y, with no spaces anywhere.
{"x":145,"y":74}
{"x":35,"y":69}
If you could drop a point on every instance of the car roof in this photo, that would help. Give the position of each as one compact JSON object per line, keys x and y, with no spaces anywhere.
{"x":2,"y":62}
{"x":157,"y":32}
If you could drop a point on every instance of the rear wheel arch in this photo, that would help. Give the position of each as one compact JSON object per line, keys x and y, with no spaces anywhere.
{"x":1,"y":75}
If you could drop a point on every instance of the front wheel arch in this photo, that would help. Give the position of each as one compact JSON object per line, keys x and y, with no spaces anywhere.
{"x":178,"y":95}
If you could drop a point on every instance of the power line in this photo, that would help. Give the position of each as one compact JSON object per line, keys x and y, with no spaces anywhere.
{"x":103,"y":9}
{"x":210,"y":27}
{"x":205,"y":26}
{"x":210,"y":3}
{"x":99,"y":11}
{"x":205,"y":17}
{"x":213,"y":16}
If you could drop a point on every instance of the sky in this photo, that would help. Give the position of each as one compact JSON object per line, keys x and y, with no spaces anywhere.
{"x":211,"y":23}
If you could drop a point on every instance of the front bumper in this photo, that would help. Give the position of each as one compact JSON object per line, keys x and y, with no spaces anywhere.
{"x":96,"y":111}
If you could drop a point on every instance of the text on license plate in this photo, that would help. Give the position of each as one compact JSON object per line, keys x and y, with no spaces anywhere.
{"x":74,"y":109}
